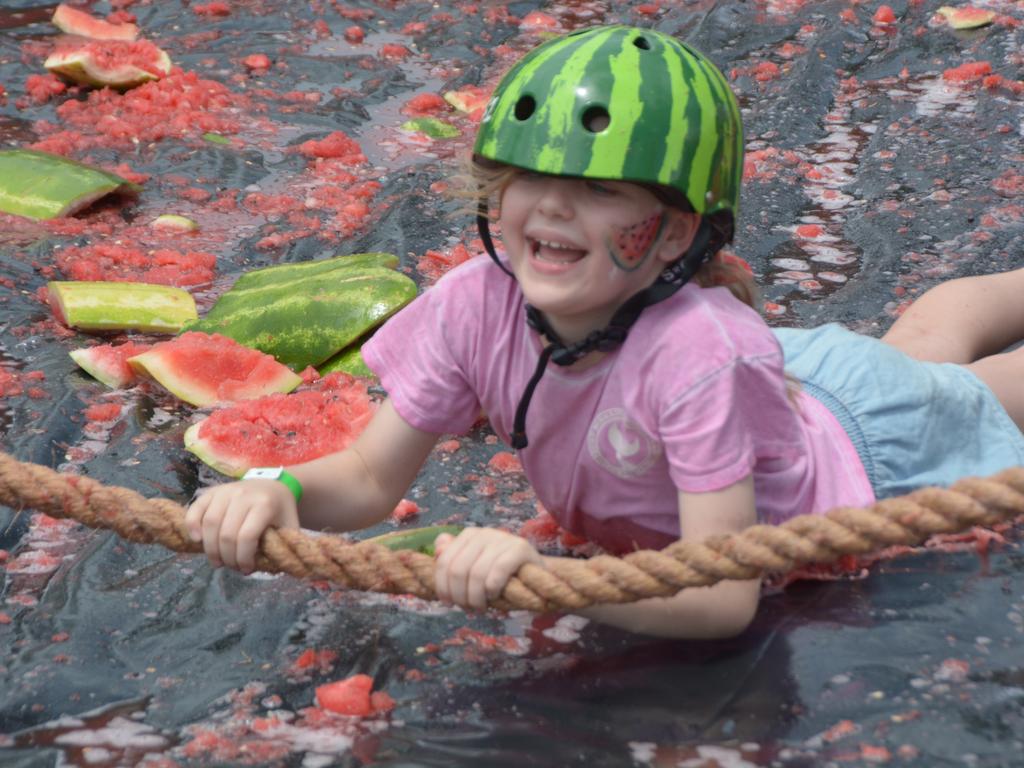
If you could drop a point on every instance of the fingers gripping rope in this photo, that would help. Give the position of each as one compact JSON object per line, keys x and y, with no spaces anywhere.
{"x":565,"y":584}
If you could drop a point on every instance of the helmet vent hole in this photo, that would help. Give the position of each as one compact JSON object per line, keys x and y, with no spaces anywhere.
{"x":596,"y":119}
{"x":642,"y":43}
{"x":525,"y":107}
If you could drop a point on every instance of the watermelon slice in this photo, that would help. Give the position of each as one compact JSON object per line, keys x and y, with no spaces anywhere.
{"x":174,"y":222}
{"x":109,"y":362}
{"x":116,"y":64}
{"x":40,"y":185}
{"x":75,"y":22}
{"x":203,"y":369}
{"x":469,"y":99}
{"x":303,"y":314}
{"x":432,"y":127}
{"x":966,"y":17}
{"x":107,"y":306}
{"x":281,"y":430}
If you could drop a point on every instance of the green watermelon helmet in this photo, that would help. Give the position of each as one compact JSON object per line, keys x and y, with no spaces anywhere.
{"x":622,"y":103}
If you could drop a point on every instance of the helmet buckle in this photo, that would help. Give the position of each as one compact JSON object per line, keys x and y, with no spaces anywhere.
{"x":564,"y":356}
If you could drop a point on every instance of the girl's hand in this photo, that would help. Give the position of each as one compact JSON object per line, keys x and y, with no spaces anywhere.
{"x":229,"y":519}
{"x":474,"y":567}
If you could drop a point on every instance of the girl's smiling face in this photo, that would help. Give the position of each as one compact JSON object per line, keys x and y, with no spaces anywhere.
{"x":579,"y":247}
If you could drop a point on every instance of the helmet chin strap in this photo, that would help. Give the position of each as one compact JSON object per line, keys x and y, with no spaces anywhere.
{"x":483,"y":226}
{"x":674,"y":277}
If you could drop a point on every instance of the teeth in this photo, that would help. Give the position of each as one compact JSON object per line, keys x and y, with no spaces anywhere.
{"x":557,"y":246}
{"x":549,"y":251}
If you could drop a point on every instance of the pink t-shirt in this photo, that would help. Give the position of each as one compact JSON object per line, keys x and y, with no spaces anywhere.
{"x":693,"y":400}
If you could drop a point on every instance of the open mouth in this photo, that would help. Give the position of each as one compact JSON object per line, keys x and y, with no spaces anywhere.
{"x":555,"y":253}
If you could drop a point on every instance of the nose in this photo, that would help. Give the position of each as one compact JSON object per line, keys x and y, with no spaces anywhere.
{"x":556,"y":198}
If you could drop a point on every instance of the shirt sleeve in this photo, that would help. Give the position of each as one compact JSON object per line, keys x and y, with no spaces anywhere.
{"x":713,"y":432}
{"x":420,"y":356}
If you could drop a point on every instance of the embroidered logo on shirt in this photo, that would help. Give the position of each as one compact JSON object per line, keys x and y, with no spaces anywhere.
{"x":619,"y":445}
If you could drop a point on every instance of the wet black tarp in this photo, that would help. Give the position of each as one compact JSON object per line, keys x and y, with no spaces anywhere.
{"x":124,"y":654}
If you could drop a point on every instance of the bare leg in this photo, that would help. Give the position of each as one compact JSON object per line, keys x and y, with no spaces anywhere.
{"x":1004,"y":375}
{"x":963,"y":320}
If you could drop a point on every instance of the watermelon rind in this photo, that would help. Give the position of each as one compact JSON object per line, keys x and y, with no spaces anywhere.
{"x":81,"y":67}
{"x":102,"y":374}
{"x":432,"y":127}
{"x":966,"y":17}
{"x":173,"y":221}
{"x":72,"y":21}
{"x":109,"y":306}
{"x":305,"y":320}
{"x":232,"y":466}
{"x":417,"y":540}
{"x":186,"y":381}
{"x":281,"y":272}
{"x":350,"y":361}
{"x":39,"y":185}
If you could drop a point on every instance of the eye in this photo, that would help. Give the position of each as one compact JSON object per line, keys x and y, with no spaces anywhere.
{"x":600,"y":188}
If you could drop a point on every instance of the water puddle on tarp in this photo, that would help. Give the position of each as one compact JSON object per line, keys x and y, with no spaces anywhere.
{"x":870,"y":176}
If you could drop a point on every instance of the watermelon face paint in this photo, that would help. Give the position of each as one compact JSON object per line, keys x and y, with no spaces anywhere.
{"x":630,"y":246}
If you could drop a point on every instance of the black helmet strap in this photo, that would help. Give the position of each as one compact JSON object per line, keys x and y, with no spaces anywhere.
{"x":484,"y":228}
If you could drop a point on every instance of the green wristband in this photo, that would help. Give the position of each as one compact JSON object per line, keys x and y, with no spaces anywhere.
{"x":279,"y":474}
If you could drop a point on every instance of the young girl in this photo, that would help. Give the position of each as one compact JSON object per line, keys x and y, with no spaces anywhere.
{"x":645,"y":405}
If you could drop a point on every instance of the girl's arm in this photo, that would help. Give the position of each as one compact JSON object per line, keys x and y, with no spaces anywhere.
{"x":475,"y":566}
{"x":722,"y":610}
{"x":361,"y":485}
{"x":343,"y":491}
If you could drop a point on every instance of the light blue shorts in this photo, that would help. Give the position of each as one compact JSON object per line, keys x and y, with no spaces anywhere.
{"x":912,"y":423}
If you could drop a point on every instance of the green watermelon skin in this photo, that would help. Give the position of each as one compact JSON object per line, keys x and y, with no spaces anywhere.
{"x":305,"y":321}
{"x":109,"y":306}
{"x":350,"y":361}
{"x":274,"y":275}
{"x":40,"y":185}
{"x":415,"y":540}
{"x":699,"y":150}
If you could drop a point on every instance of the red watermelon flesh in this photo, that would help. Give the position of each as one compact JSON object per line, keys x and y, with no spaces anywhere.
{"x":203,"y":369}
{"x":75,"y":22}
{"x":281,"y":430}
{"x":353,"y":696}
{"x":109,"y":362}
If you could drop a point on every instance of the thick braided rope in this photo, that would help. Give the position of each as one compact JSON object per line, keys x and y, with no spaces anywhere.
{"x":565,"y":583}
